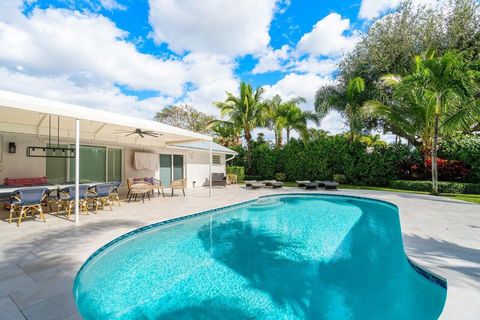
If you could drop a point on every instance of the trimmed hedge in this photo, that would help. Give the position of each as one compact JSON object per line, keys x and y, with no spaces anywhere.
{"x":443,"y":187}
{"x":239,"y":171}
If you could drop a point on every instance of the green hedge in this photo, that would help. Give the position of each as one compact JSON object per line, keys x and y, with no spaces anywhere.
{"x":443,"y":187}
{"x":239,"y":171}
{"x":465,"y":148}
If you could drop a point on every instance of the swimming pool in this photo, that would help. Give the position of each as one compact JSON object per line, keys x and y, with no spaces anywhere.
{"x":279,"y":257}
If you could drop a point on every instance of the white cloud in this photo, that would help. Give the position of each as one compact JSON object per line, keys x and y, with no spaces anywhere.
{"x":210,"y":75}
{"x":322,"y":67}
{"x":273,"y":60}
{"x":370,"y":9}
{"x":328,"y":37}
{"x":56,"y":42}
{"x":112,"y":5}
{"x":293,"y":85}
{"x":212,"y":26}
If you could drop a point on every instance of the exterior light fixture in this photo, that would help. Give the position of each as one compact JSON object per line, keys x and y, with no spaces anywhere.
{"x":12,"y":147}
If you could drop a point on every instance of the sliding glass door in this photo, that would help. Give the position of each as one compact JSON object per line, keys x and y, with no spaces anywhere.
{"x":97,"y":164}
{"x":166,"y":169}
{"x":93,"y":164}
{"x":171,"y":168}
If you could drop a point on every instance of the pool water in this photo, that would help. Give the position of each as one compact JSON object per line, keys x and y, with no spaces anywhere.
{"x":281,"y":257}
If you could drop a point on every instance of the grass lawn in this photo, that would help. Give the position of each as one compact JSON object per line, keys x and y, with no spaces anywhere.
{"x":475,"y":198}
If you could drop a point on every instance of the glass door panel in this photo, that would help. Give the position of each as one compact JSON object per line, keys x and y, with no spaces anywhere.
{"x":166,"y":169}
{"x":114,"y":164}
{"x":56,"y":168}
{"x":93,"y":162}
{"x":177,"y":167}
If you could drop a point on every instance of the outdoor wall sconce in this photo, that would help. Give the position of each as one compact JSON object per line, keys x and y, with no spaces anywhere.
{"x":12,"y":147}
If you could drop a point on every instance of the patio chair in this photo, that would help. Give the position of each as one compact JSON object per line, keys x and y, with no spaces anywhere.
{"x":273,"y":183}
{"x":219,"y":179}
{"x":302,"y":183}
{"x":156,"y":185}
{"x":254,"y":184}
{"x":67,"y":199}
{"x":114,"y":192}
{"x":328,"y":185}
{"x":24,"y":201}
{"x":139,"y":189}
{"x":311,"y":185}
{"x":100,"y":196}
{"x":178,"y":184}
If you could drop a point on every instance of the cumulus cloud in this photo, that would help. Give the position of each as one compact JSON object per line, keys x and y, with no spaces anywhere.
{"x":57,"y":42}
{"x":212,"y":26}
{"x":273,"y":60}
{"x":328,"y":37}
{"x":370,"y":9}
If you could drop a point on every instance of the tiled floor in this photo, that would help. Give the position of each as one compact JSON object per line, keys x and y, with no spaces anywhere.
{"x":38,"y":261}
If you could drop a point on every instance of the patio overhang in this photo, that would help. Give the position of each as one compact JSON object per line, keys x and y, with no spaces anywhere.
{"x":29,"y":115}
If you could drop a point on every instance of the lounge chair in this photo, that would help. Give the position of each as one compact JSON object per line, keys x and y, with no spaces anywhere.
{"x":254,"y":184}
{"x":219,"y":179}
{"x":139,"y":189}
{"x":178,"y":184}
{"x":328,"y":185}
{"x":311,"y":185}
{"x":23,"y":201}
{"x":257,"y":185}
{"x":301,"y":183}
{"x":273,"y":183}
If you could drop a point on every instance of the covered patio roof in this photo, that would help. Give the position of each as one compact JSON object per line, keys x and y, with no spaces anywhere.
{"x":31,"y":115}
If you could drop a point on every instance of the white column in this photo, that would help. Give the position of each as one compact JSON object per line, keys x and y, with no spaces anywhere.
{"x":210,"y":168}
{"x":77,"y":170}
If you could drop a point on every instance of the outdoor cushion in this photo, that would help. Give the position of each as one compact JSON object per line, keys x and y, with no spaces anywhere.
{"x":302,"y":183}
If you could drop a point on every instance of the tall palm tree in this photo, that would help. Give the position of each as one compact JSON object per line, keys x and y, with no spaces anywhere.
{"x":246,"y":111}
{"x":225,"y":133}
{"x":297,"y":120}
{"x":345,"y":99}
{"x":287,"y":115}
{"x":443,"y":90}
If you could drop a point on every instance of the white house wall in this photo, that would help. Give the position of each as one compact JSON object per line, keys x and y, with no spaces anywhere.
{"x":18,"y":165}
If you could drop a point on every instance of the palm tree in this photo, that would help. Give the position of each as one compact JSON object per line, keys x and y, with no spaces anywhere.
{"x":441,"y":90}
{"x":297,"y":119}
{"x":345,"y":99}
{"x":247,"y":112}
{"x":289,"y":116}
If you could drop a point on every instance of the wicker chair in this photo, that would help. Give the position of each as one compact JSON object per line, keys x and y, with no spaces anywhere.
{"x":178,"y":184}
{"x":27,"y":200}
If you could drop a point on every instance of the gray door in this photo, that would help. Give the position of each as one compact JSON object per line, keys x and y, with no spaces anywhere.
{"x":177,"y":166}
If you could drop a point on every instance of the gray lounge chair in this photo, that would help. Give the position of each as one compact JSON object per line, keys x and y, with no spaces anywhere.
{"x":254,"y":184}
{"x":301,"y":183}
{"x":273,"y":183}
{"x":328,"y":185}
{"x":311,"y":185}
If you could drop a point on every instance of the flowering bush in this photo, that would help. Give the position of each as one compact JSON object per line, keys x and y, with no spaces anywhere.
{"x":448,"y":170}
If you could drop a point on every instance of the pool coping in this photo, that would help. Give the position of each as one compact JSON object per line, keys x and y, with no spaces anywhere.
{"x":427,"y":274}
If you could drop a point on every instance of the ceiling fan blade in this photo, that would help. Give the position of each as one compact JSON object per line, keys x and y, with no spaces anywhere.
{"x":141,"y":135}
{"x":130,"y":134}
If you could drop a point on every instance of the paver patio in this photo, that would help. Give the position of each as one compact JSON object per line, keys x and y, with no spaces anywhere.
{"x":38,"y":261}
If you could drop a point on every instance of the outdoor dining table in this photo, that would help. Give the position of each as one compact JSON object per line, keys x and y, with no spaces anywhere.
{"x":6,"y":191}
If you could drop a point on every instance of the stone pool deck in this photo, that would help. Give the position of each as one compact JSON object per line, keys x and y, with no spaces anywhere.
{"x":38,"y":261}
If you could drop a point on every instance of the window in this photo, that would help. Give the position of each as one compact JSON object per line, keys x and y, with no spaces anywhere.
{"x":97,"y":164}
{"x":216,"y":159}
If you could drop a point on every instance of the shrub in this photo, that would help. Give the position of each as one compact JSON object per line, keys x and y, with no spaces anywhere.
{"x":340,"y":178}
{"x":280,"y":176}
{"x":253,"y":178}
{"x":448,"y":170}
{"x":465,"y":148}
{"x":443,"y":186}
{"x":238,"y":171}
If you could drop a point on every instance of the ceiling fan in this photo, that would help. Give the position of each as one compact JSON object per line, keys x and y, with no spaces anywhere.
{"x":140,"y":132}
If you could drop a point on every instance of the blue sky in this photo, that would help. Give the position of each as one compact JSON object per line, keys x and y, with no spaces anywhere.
{"x":136,"y":57}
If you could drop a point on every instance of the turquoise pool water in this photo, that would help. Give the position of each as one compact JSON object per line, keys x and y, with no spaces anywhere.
{"x":281,"y":257}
